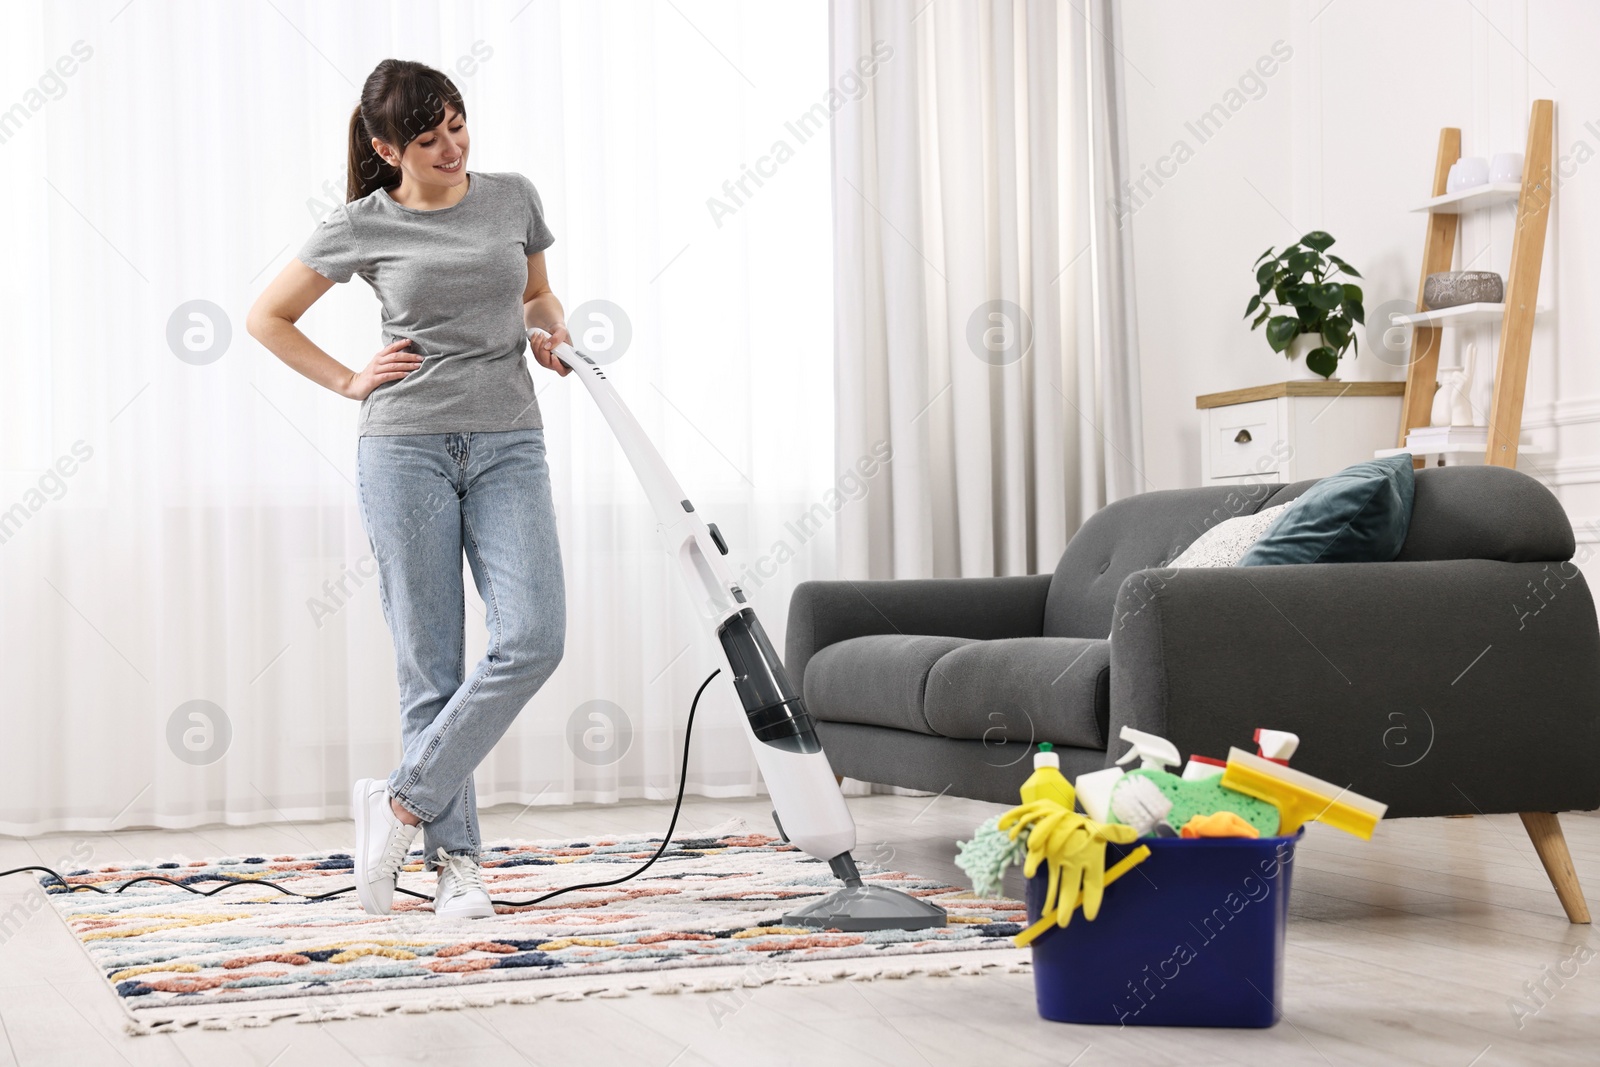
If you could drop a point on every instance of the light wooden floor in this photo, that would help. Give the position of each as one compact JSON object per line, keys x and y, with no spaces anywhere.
{"x":1406,"y":949}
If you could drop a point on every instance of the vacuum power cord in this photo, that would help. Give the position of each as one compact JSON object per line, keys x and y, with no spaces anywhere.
{"x":229,"y":883}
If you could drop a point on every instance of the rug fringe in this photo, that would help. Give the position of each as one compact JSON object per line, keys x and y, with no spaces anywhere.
{"x":626,"y":985}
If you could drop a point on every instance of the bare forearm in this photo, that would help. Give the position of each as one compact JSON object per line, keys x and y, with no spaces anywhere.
{"x":283,"y":339}
{"x":544,"y":311}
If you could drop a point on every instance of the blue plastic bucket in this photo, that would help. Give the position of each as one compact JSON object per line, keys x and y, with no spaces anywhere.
{"x":1193,"y":936}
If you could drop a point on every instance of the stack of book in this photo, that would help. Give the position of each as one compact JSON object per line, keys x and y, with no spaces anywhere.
{"x":1442,"y":438}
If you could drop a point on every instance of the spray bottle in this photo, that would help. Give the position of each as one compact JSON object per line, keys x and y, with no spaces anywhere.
{"x":1095,"y":787}
{"x":1153,"y":753}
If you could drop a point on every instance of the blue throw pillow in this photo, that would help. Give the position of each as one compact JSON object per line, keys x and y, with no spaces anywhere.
{"x":1359,"y":515}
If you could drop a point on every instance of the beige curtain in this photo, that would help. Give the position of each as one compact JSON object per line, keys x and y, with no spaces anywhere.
{"x":190,"y":627}
{"x":984,"y":329}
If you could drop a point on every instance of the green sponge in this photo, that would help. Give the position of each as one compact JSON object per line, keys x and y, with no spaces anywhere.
{"x":1191,"y":798}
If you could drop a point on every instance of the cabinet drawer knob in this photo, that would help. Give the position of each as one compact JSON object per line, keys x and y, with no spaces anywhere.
{"x":1242,"y":437}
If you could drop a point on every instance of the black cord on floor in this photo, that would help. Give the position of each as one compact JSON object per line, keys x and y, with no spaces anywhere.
{"x":683,"y":778}
{"x":229,"y":883}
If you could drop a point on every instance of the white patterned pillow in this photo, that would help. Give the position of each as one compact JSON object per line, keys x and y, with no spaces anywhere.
{"x":1225,"y":544}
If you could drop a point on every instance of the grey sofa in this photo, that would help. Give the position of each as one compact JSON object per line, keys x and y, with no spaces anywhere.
{"x":1462,"y":678}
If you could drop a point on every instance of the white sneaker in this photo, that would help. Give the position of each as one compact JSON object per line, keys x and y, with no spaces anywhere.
{"x":461,"y":894}
{"x":382,"y":842}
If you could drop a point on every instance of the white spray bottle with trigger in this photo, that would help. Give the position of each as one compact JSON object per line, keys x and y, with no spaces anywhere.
{"x":1154,"y":753}
{"x":1094,"y":788}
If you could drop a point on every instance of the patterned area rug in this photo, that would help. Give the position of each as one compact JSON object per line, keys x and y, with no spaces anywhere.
{"x":706,"y":917}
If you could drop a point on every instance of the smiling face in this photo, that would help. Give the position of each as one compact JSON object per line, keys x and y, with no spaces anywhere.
{"x":437,"y":158}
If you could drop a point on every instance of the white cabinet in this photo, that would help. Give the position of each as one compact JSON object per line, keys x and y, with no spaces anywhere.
{"x":1290,"y":431}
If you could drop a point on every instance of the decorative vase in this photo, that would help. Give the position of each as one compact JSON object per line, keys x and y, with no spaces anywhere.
{"x":1466,"y":173}
{"x":1452,"y":288}
{"x":1299,"y":346}
{"x":1506,"y":167}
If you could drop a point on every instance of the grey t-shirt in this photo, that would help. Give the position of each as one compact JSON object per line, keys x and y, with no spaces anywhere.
{"x":452,"y":281}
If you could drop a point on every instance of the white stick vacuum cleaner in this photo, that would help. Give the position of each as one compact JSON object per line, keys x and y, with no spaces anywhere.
{"x":808,"y":807}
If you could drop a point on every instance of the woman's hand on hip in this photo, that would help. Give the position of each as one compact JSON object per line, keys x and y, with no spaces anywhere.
{"x":389,"y":365}
{"x":544,"y":348}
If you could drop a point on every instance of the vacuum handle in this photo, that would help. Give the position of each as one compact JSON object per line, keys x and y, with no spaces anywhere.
{"x":564,"y":352}
{"x":684,"y":532}
{"x":667,"y":497}
{"x":781,"y":733}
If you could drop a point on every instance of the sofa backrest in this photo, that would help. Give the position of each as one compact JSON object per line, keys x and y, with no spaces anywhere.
{"x":1458,"y":513}
{"x":1485,"y":513}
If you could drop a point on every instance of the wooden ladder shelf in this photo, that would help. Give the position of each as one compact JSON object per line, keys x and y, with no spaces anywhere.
{"x":1521,"y":291}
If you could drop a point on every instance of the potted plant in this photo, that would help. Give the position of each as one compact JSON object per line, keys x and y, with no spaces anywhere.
{"x":1316,"y":316}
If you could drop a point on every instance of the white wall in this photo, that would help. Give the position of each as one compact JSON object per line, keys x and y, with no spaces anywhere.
{"x":1342,"y":137}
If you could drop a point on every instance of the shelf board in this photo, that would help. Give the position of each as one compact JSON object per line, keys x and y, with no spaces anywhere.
{"x":1473,"y":199}
{"x":1460,"y":315}
{"x":1452,"y":450}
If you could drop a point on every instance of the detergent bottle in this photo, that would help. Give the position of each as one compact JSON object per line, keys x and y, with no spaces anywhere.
{"x":1047,"y":782}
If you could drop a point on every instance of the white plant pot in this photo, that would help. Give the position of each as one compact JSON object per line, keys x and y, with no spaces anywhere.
{"x":1298,"y":347}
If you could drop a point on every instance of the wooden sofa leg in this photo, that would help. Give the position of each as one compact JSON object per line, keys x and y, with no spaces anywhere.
{"x":839,"y":778}
{"x":1551,"y":845}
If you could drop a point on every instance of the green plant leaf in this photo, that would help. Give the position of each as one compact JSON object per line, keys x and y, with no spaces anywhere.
{"x":1301,"y":262}
{"x":1255,"y":302}
{"x":1347,"y":268}
{"x":1263,"y":255}
{"x":1265,"y":311}
{"x":1325,"y":296}
{"x":1352,"y":293}
{"x":1323,"y":361}
{"x":1336,"y":332}
{"x":1264,"y":274}
{"x":1357,"y":312}
{"x":1281,"y":329}
{"x":1317,"y":239}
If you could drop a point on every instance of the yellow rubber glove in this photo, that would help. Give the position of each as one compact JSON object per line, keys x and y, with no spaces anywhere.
{"x":1074,"y":847}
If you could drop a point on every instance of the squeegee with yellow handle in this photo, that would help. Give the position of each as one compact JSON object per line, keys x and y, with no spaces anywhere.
{"x":1299,"y":797}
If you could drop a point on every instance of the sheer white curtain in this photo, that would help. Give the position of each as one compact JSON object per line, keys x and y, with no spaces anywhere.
{"x":177,"y":509}
{"x":983,"y":288}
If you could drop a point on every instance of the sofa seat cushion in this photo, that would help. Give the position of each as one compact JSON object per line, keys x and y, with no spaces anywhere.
{"x":1027,"y":689}
{"x":877,"y":680}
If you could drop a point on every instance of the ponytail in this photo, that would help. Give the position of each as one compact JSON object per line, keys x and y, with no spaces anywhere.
{"x":366,"y":172}
{"x":400,"y":101}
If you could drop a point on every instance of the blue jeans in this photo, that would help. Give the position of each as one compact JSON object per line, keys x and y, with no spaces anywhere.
{"x":426,"y":498}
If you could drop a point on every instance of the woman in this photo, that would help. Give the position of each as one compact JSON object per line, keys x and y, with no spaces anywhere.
{"x":451,"y":455}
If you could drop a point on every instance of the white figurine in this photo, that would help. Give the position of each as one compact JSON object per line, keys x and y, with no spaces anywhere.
{"x":1440,"y":415}
{"x":1452,"y":403}
{"x":1481,"y":391}
{"x":1461,"y":396}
